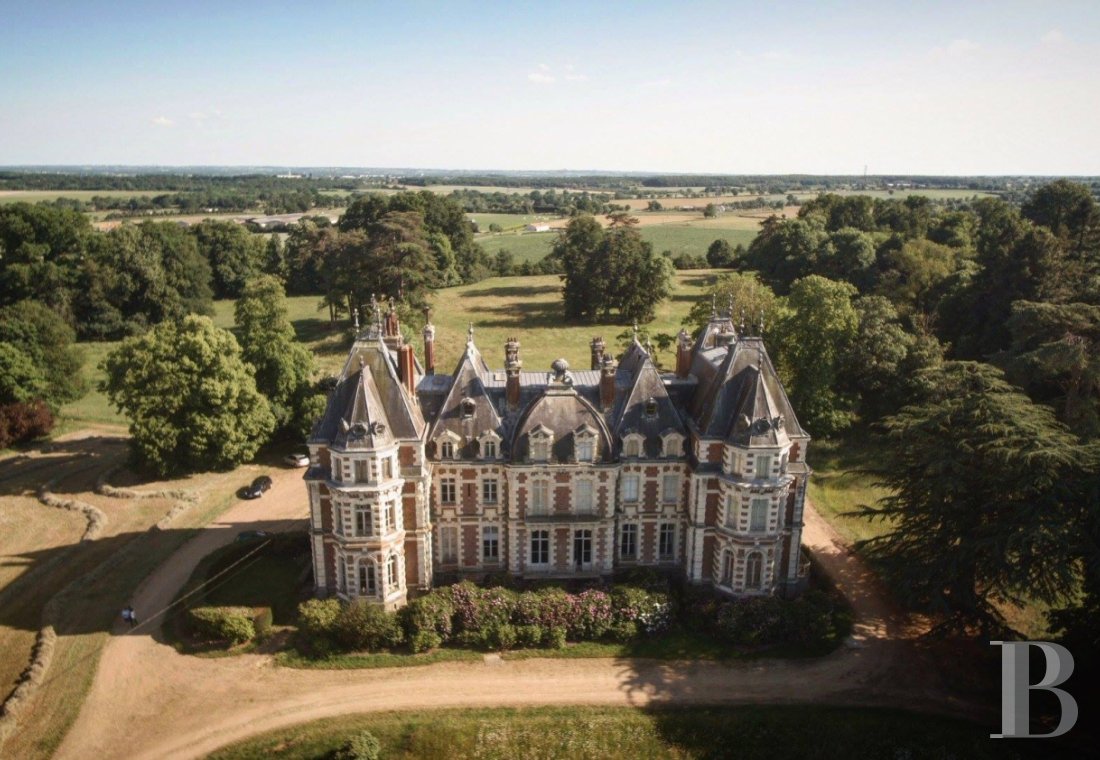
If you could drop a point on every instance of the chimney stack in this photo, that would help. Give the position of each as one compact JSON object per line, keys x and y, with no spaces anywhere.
{"x":683,"y":354}
{"x":391,"y":329}
{"x":429,"y":344}
{"x":512,"y":367}
{"x":607,"y":383}
{"x":598,"y":349}
{"x":406,"y":368}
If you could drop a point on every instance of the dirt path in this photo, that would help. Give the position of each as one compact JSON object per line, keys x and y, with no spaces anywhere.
{"x":148,"y":701}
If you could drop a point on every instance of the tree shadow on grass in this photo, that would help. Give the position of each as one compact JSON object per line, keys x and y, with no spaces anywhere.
{"x":23,"y":473}
{"x":523,"y":314}
{"x":512,"y":291}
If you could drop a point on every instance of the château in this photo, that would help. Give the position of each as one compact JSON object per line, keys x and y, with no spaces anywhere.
{"x":417,"y":477}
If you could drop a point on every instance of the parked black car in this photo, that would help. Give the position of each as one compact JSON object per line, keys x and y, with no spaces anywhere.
{"x":259,"y":485}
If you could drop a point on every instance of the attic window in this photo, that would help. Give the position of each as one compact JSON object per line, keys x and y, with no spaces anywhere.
{"x":632,"y":447}
{"x":467,"y":408}
{"x":447,"y":450}
{"x":489,"y":448}
{"x":651,"y":407}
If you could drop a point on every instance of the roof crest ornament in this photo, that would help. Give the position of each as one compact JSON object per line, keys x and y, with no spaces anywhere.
{"x":731,"y":305}
{"x":714,"y":306}
{"x":470,"y":333}
{"x":355,"y":314}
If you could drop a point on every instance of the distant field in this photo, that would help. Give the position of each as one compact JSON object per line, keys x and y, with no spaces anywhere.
{"x":510,"y":221}
{"x":679,"y":233}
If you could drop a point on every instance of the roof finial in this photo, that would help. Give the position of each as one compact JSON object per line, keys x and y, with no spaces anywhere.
{"x":355,"y":314}
{"x":730,"y":305}
{"x":761,"y":334}
{"x":713,"y":305}
{"x":635,"y":330}
{"x":470,"y":333}
{"x":742,"y":320}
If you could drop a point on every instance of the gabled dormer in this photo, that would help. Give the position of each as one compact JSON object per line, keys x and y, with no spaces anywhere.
{"x":586,"y":443}
{"x":540,"y":443}
{"x":489,"y":445}
{"x":447,"y":445}
{"x":672,"y":443}
{"x":633,"y":444}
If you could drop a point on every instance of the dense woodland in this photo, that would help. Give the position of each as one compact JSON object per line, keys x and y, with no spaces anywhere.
{"x":964,"y":334}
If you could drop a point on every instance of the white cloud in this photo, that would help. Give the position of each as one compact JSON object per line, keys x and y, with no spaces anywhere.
{"x":655,"y":83}
{"x":161,"y":121}
{"x":956,"y":48}
{"x":540,"y":77}
{"x":1053,"y":37}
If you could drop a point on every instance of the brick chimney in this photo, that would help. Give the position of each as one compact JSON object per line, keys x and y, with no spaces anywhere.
{"x":607,"y":382}
{"x":598,"y":348}
{"x":391,"y":329}
{"x":429,"y":345}
{"x":683,"y":354}
{"x":512,"y":367}
{"x":406,"y":368}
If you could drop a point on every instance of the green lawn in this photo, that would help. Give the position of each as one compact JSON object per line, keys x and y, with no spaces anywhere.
{"x":35,"y":196}
{"x":524,"y":246}
{"x":838,"y":486}
{"x":613,"y":733}
{"x":508,"y":221}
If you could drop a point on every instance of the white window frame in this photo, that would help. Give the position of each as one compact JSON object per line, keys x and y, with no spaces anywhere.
{"x":664,"y":529}
{"x":540,"y":497}
{"x":490,"y":538}
{"x":361,"y":471}
{"x":633,"y":446}
{"x":368,"y":578}
{"x":490,"y":491}
{"x":364,"y":528}
{"x":489,"y":448}
{"x":631,"y":530}
{"x":391,"y":573}
{"x":543,"y":537}
{"x":588,"y":505}
{"x":758,"y":514}
{"x":762,"y":462}
{"x":756,"y":584}
{"x":450,"y":483}
{"x":633,"y":494}
{"x":448,"y":555}
{"x":670,"y":495}
{"x":673,"y":445}
{"x":583,"y":537}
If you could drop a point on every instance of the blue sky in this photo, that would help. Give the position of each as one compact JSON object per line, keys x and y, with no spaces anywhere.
{"x":816,"y":87}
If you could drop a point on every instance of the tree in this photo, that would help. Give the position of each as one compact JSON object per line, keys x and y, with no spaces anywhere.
{"x":981,"y":502}
{"x":190,"y":398}
{"x":812,"y":337}
{"x":235,"y":255}
{"x":1055,"y":357}
{"x":849,"y":256}
{"x":914,"y":277}
{"x":47,"y":341}
{"x":710,"y":211}
{"x":654,"y":206}
{"x":787,"y":250}
{"x":720,"y":254}
{"x":283,"y":367}
{"x":40,"y":251}
{"x":751,"y":300}
{"x":21,"y":379}
{"x":607,"y":271}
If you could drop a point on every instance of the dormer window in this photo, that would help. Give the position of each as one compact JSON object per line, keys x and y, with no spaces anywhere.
{"x":468,"y":407}
{"x":447,"y":450}
{"x":584,"y":444}
{"x":632,"y":445}
{"x":673,"y":445}
{"x":540,"y":440}
{"x":489,"y":449}
{"x":651,"y":407}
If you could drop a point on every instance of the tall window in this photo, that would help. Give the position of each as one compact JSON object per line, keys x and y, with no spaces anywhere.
{"x":448,"y":545}
{"x":490,"y":543}
{"x":362,"y":471}
{"x":540,"y":497}
{"x":630,"y":488}
{"x":391,"y":573}
{"x":758,"y":515}
{"x":585,"y":449}
{"x":367,"y":583}
{"x":363,"y":526}
{"x":582,"y":497}
{"x":387,"y":468}
{"x":727,"y":568}
{"x":540,"y":547}
{"x":447,"y":491}
{"x":489,"y":490}
{"x":582,"y":548}
{"x":447,"y":450}
{"x":628,"y":541}
{"x":489,"y":448}
{"x":666,"y":543}
{"x":731,"y":511}
{"x":670,"y":489}
{"x":540,"y":449}
{"x":388,"y":523}
{"x":754,"y":570}
{"x":763,"y":465}
{"x":342,"y":576}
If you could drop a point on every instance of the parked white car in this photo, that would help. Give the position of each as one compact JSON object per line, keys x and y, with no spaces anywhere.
{"x":296,"y":459}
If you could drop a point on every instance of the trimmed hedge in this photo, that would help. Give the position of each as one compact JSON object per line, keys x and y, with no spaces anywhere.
{"x":232,"y":624}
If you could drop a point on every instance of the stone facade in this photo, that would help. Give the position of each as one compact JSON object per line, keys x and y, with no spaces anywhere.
{"x":416,"y":476}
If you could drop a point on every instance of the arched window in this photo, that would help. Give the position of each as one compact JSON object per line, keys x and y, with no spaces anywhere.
{"x":367,"y":582}
{"x":754,"y":570}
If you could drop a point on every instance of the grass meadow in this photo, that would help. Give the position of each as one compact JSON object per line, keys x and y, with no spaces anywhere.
{"x":613,"y":733}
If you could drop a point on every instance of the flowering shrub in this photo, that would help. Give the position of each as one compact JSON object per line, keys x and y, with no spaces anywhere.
{"x":548,"y":607}
{"x":362,"y":626}
{"x":479,"y":609}
{"x":651,"y":611}
{"x":591,"y":615}
{"x":431,"y":613}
